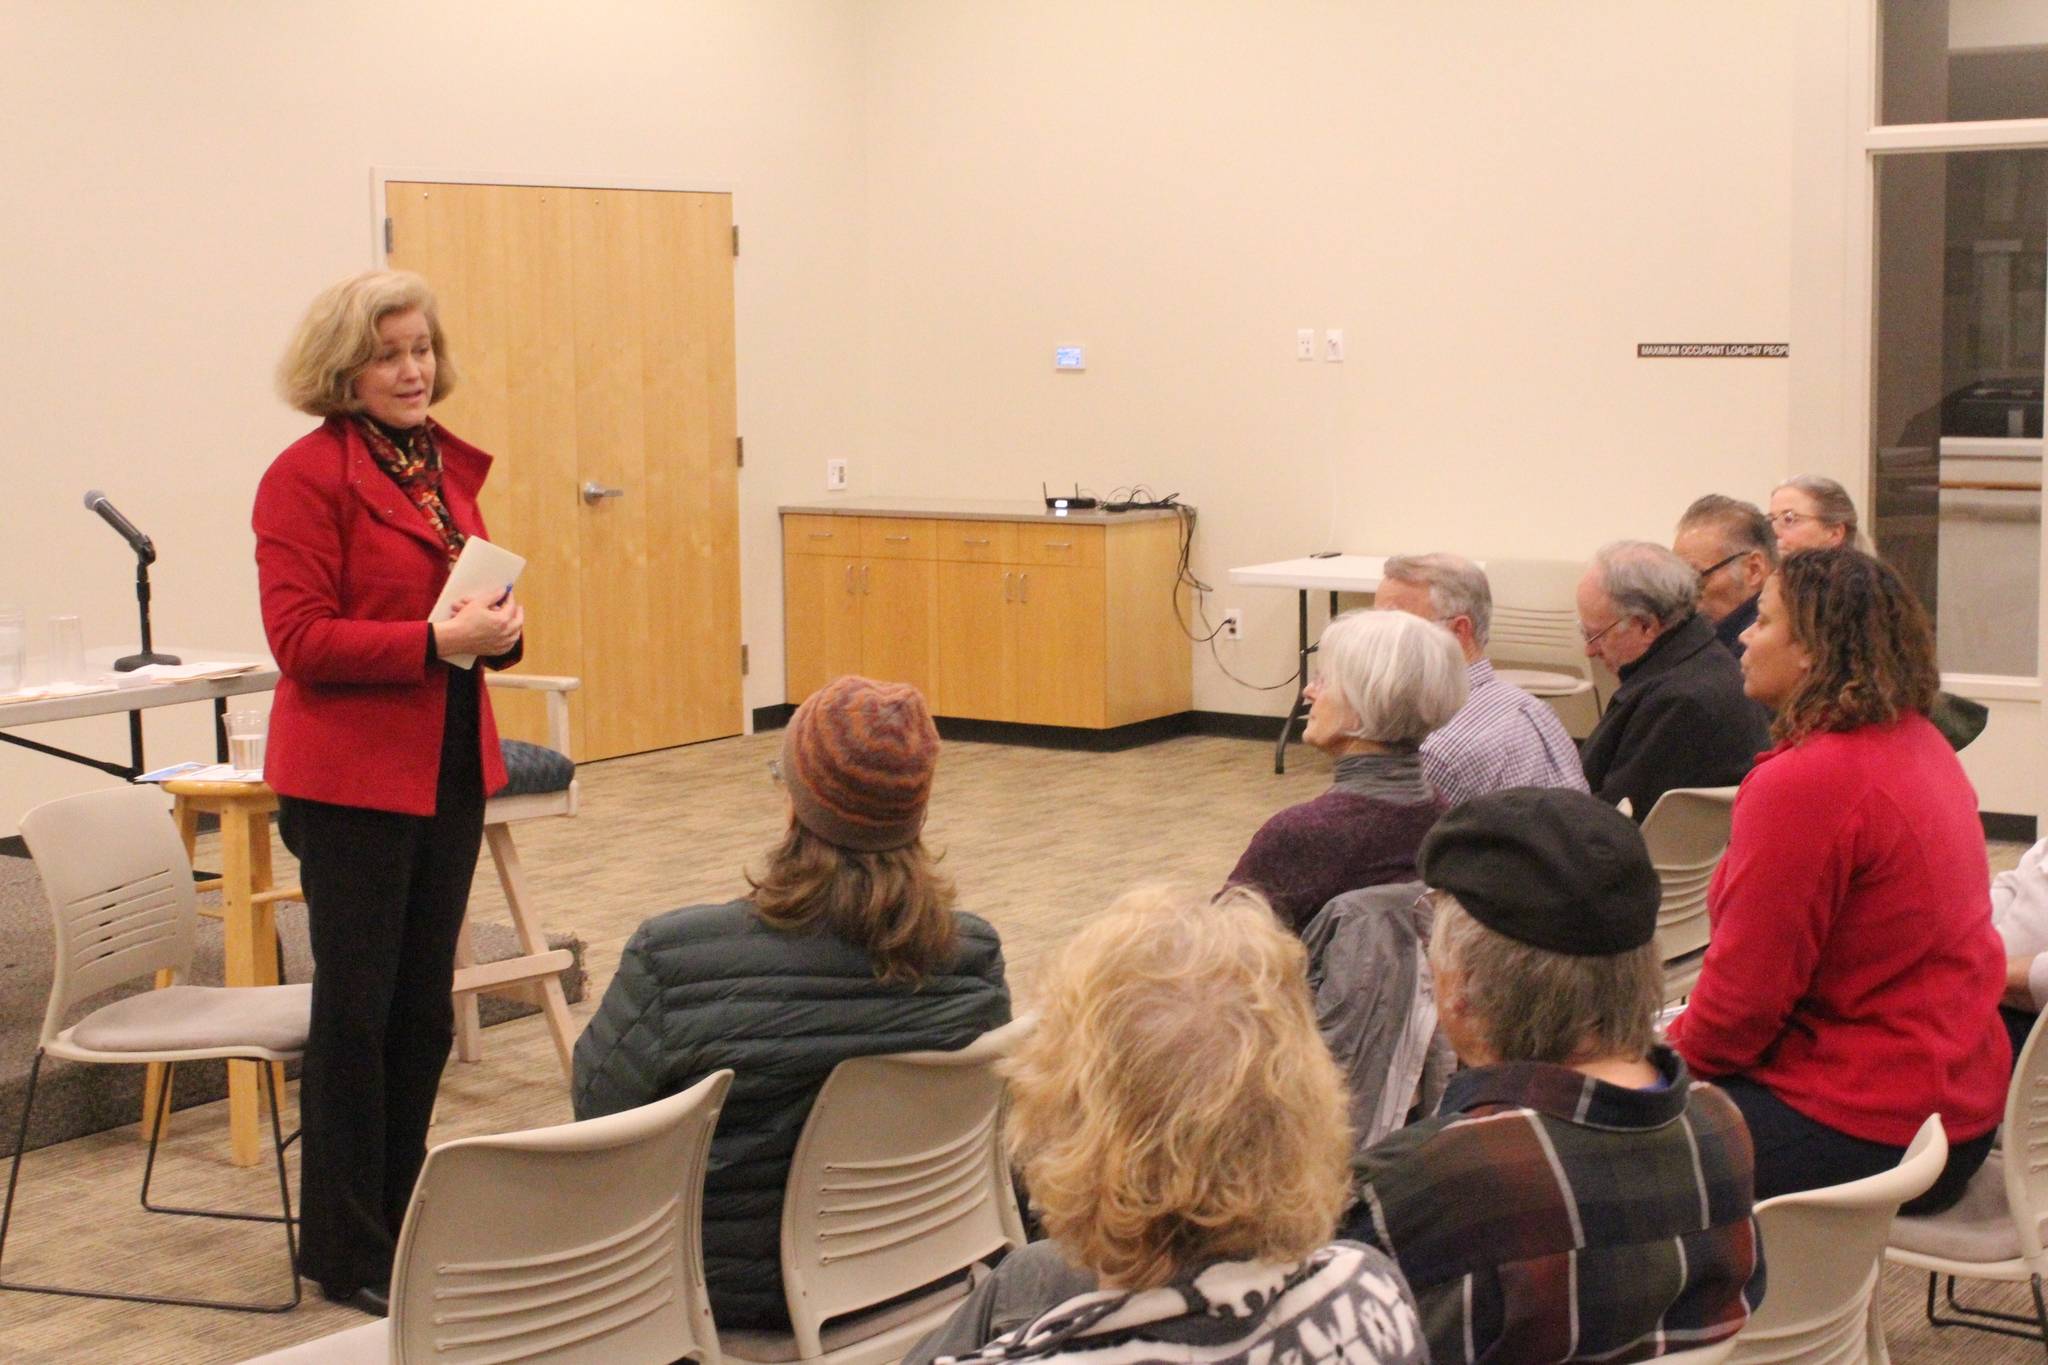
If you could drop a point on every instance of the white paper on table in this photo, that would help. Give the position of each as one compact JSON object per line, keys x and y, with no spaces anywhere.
{"x":203,"y":772}
{"x":481,"y":568}
{"x":45,"y":691}
{"x":192,"y":672}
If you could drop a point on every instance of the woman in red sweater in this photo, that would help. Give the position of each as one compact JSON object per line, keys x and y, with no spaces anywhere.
{"x":1851,"y":986}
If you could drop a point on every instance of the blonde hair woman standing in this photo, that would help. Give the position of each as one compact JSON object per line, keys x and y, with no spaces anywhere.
{"x":381,"y":753}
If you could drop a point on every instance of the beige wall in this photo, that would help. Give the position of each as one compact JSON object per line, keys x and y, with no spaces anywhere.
{"x":1496,"y":201}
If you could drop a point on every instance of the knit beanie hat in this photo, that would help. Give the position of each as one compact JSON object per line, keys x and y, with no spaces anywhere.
{"x":858,"y":759}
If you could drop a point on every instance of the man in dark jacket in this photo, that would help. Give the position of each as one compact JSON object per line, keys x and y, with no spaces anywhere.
{"x":807,"y":972}
{"x":1679,"y":718}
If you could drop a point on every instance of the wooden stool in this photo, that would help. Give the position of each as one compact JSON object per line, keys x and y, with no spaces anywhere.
{"x":248,"y":929}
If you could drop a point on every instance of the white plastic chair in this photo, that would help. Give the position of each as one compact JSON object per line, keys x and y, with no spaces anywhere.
{"x":122,"y":901}
{"x":898,"y":1184}
{"x":582,"y":1242}
{"x":1536,"y":621}
{"x":1687,"y":832}
{"x":537,"y":967}
{"x":1822,"y":1249}
{"x":1994,"y":1233}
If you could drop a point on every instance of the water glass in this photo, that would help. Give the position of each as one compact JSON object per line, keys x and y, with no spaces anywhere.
{"x":247,"y":730}
{"x":67,"y":649}
{"x":13,"y":648}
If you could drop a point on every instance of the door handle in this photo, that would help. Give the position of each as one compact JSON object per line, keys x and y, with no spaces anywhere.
{"x":970,"y":540}
{"x":864,"y":579}
{"x":1024,"y":587}
{"x":1059,"y":545}
{"x":904,"y":539}
{"x":1006,"y":585}
{"x":595,"y":492}
{"x":849,"y":578}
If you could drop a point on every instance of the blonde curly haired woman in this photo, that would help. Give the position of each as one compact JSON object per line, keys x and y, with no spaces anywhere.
{"x":1183,"y":1133}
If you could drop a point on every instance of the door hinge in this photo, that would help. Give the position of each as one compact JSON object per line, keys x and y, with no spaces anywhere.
{"x":743,"y":661}
{"x":735,"y":239}
{"x":387,"y":234}
{"x":740,"y":450}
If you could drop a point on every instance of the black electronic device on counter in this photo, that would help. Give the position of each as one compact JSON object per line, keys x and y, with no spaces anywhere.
{"x":1061,"y":503}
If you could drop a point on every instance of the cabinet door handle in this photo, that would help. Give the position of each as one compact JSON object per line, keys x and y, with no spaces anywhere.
{"x":849,"y":578}
{"x":594,"y":492}
{"x":1059,"y":545}
{"x":821,"y":535}
{"x":864,"y":578}
{"x":1006,"y":585}
{"x":970,"y":540}
{"x":1023,"y":587}
{"x":904,"y":539}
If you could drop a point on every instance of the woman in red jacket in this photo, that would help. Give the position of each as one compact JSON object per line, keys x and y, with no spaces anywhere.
{"x":1851,"y":985}
{"x":380,"y":753}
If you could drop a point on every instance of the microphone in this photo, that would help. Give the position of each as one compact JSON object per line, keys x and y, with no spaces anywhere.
{"x":96,"y":501}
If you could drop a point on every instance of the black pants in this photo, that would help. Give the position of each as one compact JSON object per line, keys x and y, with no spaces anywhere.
{"x":1794,"y":1152}
{"x":385,"y":895}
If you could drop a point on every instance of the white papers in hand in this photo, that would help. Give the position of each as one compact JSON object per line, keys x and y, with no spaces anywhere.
{"x":481,"y":568}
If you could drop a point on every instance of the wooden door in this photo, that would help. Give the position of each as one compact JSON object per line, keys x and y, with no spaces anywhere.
{"x":897,"y":606}
{"x":593,"y":331}
{"x":975,"y":641}
{"x":1059,"y":646}
{"x":821,"y":599}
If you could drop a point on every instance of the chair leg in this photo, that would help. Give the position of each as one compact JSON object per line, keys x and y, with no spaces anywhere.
{"x":265,"y":1081}
{"x":1985,"y":1319}
{"x":229,"y":1305}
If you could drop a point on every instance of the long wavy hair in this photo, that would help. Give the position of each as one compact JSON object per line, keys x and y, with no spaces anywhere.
{"x":1175,"y":1103}
{"x":896,"y":905}
{"x":1867,"y":636}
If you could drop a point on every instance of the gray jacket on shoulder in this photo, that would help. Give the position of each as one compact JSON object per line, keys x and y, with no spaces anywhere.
{"x":712,"y":986}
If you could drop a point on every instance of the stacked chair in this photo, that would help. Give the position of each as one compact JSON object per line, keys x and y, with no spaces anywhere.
{"x":1687,"y":832}
{"x":1536,"y":622}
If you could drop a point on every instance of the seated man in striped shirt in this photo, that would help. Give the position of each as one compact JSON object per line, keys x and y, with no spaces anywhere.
{"x":1502,"y":736}
{"x":1578,"y":1196}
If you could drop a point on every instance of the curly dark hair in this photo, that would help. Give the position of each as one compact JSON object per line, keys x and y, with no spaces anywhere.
{"x":1871,"y":646}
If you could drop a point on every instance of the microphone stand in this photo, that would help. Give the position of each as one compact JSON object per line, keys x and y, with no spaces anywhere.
{"x":129,"y":663}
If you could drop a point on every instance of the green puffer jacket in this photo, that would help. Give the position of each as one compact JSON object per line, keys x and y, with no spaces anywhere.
{"x":711,"y":986}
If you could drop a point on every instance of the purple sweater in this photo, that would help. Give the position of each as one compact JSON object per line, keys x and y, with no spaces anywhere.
{"x":1352,"y":836}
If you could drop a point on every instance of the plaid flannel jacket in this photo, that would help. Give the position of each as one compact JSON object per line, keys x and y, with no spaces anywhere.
{"x":1544,"y":1216}
{"x":1501,"y":737}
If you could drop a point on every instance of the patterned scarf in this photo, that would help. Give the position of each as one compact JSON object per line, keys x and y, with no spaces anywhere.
{"x":416,"y":468}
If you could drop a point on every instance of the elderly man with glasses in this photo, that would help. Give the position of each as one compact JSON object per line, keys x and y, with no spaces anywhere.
{"x":1679,"y":718}
{"x":1730,"y":544}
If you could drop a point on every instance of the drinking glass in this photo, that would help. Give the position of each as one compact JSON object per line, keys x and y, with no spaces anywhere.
{"x":247,"y":730}
{"x":13,"y":648}
{"x":67,"y":649}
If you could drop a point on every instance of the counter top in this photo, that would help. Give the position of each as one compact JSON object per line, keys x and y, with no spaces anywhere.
{"x":970,"y":509}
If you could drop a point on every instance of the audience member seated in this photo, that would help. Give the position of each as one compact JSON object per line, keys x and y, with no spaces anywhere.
{"x":1851,"y":985}
{"x":1385,"y":680}
{"x":1812,"y":512}
{"x":1501,"y":736}
{"x":847,"y":947}
{"x":2019,"y":912}
{"x":1182,"y":1132}
{"x":1679,"y":718}
{"x":1578,"y":1195}
{"x":1729,"y":544}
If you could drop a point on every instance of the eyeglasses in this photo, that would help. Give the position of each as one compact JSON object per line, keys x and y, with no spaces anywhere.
{"x":1785,"y":521}
{"x":1592,"y":637}
{"x":1721,"y":564}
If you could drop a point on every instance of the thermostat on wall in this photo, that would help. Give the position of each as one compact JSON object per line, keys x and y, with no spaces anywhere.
{"x":1068,"y":358}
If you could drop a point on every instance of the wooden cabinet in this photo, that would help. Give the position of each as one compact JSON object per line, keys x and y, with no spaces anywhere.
{"x":1028,"y":621}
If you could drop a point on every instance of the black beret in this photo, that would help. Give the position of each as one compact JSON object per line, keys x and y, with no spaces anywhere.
{"x":1549,"y":867}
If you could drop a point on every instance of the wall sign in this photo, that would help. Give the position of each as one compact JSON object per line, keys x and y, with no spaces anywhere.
{"x":1713,"y":350}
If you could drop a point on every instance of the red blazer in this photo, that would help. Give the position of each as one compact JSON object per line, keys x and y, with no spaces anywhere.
{"x":1853,"y":969}
{"x":349,"y":570}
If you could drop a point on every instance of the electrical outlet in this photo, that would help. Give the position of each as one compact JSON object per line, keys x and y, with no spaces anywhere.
{"x":1305,"y":344}
{"x":835,"y":476}
{"x":1233,"y":624}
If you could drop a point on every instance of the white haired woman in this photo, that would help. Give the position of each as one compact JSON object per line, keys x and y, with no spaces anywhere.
{"x":1384,"y":681}
{"x":1182,"y":1130}
{"x":1812,"y":512}
{"x":380,"y":752}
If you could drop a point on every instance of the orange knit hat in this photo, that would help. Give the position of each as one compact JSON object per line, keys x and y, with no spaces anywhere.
{"x":858,"y":759}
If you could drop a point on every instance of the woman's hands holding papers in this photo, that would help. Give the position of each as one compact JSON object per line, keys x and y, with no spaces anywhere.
{"x":481,"y":626}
